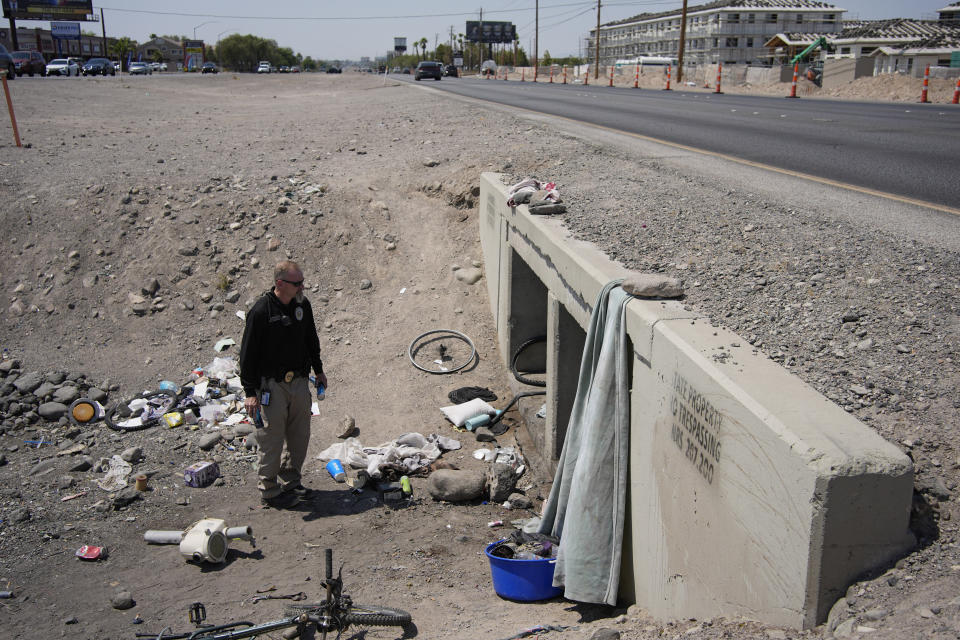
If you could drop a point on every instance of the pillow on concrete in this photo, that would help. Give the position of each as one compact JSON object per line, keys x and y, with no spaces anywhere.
{"x":460,"y":413}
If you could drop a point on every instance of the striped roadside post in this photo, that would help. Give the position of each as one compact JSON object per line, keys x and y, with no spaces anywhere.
{"x":793,"y":85}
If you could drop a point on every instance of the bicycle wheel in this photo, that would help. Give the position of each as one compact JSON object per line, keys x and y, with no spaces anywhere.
{"x":372,"y":616}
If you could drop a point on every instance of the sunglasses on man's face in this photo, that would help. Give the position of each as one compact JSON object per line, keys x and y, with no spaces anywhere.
{"x":296,"y":283}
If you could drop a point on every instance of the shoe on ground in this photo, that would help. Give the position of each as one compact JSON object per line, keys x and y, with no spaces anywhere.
{"x":282,"y":501}
{"x":299,"y":490}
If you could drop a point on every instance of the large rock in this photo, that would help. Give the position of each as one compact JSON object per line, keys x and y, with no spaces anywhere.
{"x":66,"y":394}
{"x":52,"y":410}
{"x":28,"y":382}
{"x":652,"y":285}
{"x":209,"y":440}
{"x":455,"y":485}
{"x":97,"y":395}
{"x":44,"y":390}
{"x":469,"y":275}
{"x":501,"y":479}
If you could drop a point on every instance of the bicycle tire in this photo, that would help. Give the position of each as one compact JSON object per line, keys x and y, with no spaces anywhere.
{"x":146,"y":424}
{"x":450,"y":333}
{"x":374,"y":616}
{"x":516,"y":356}
{"x":358,"y":614}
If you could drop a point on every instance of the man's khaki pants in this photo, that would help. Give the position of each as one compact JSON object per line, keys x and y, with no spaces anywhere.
{"x":286,"y":419}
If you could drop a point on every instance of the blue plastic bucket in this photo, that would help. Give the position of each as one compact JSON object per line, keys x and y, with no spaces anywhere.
{"x":524,"y":580}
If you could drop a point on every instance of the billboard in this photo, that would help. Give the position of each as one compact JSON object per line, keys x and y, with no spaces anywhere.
{"x":65,"y":30}
{"x":399,"y":45}
{"x":490,"y":31}
{"x":47,"y":9}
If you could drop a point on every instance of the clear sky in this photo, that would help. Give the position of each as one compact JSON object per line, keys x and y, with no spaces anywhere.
{"x":348,"y":30}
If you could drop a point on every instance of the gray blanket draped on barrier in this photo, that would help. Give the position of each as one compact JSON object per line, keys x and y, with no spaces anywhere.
{"x":591,"y":480}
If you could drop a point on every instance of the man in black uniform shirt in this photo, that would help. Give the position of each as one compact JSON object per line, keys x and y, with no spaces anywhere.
{"x":279,"y":347}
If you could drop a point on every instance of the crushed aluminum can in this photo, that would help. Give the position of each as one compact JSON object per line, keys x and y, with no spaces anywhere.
{"x":89,"y":552}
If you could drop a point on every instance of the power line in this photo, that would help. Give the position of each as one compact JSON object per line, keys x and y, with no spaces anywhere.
{"x":332,"y":18}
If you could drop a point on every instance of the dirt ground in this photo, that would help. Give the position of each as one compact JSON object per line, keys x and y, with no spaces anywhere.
{"x":203,"y":183}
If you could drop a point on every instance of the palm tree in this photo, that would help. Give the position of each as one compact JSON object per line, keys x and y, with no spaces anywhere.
{"x":423,"y":45}
{"x":121,"y":47}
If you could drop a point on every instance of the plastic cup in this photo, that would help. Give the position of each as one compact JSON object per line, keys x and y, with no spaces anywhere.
{"x":335,"y":469}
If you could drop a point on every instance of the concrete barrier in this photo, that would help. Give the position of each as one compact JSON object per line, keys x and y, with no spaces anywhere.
{"x":751,"y":495}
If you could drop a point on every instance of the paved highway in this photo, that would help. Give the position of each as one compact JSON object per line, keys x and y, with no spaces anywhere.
{"x":907,"y":150}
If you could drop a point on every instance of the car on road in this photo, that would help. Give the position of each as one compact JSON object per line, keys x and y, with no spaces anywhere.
{"x":6,"y":63}
{"x":140,"y":68}
{"x":209,"y":67}
{"x":450,"y":70}
{"x":29,"y":62}
{"x":428,"y":69}
{"x":264,"y":67}
{"x":63,"y":67}
{"x":333,"y":70}
{"x":98,"y":66}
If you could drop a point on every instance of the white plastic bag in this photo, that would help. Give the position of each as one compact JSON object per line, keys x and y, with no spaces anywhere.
{"x":116,"y":476}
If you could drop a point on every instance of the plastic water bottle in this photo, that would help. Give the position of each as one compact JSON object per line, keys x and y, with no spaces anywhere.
{"x":321,"y":392}
{"x":258,"y":419}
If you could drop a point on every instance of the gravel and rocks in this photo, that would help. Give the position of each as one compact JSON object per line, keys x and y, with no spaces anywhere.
{"x":123,"y":271}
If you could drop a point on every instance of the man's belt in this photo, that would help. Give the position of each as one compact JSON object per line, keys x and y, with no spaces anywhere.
{"x":288,"y":376}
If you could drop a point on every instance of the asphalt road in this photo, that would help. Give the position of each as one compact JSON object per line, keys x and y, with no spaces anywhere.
{"x":911,"y":151}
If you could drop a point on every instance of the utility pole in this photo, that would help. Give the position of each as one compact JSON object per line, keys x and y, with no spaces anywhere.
{"x":536,"y":39}
{"x":480,"y":42}
{"x":103,"y":27}
{"x":596,"y":44}
{"x":683,"y":37}
{"x":13,"y":31}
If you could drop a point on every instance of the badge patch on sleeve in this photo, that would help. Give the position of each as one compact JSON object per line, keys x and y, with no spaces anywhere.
{"x":298,"y":313}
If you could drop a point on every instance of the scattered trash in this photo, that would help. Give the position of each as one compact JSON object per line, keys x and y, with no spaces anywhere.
{"x":335,"y":469}
{"x":137,"y":619}
{"x":408,"y":453}
{"x":458,"y":414}
{"x":167,"y":385}
{"x":405,"y":485}
{"x":116,"y":476}
{"x":6,"y":595}
{"x":88,"y":552}
{"x":205,"y":541}
{"x":141,"y":482}
{"x":73,"y":496}
{"x":83,"y":411}
{"x":223,"y":344}
{"x":201,"y":474}
{"x":495,"y":523}
{"x":292,"y":596}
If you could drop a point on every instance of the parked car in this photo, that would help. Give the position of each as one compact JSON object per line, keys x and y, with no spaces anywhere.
{"x":428,"y":69}
{"x":63,"y":67}
{"x":29,"y":62}
{"x":98,"y":66}
{"x":406,"y":71}
{"x":450,"y":70}
{"x":209,"y":67}
{"x":7,"y":63}
{"x":163,"y":66}
{"x":284,"y":69}
{"x":264,"y":67}
{"x":140,"y":68}
{"x":333,"y":70}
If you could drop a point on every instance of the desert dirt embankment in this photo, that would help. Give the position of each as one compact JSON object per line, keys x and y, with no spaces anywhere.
{"x":145,"y":212}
